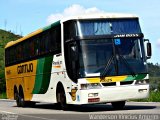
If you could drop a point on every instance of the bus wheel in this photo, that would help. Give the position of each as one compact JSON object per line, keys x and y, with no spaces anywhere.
{"x":61,"y":99}
{"x":118,"y":105}
{"x":16,"y":97}
{"x":21,"y":101}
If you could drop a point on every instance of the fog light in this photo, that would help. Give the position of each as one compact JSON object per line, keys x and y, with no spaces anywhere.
{"x":92,"y":94}
{"x":142,"y":90}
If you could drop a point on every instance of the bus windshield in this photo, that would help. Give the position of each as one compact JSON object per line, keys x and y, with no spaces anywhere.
{"x":125,"y":53}
{"x":101,"y":48}
{"x":108,"y":26}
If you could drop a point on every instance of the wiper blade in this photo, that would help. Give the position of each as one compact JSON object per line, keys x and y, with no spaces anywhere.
{"x":128,"y":66}
{"x":115,"y":56}
{"x":126,"y":63}
{"x":103,"y":74}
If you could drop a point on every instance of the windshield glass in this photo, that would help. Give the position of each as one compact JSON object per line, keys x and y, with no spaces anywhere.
{"x":108,"y":26}
{"x":95,"y":54}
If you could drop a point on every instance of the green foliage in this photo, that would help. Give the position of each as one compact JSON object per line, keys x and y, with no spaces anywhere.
{"x":2,"y":81}
{"x":153,"y":97}
{"x":154,"y":72}
{"x":3,"y":95}
{"x":5,"y":37}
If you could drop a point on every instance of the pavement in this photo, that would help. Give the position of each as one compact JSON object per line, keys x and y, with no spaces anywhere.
{"x":45,"y":111}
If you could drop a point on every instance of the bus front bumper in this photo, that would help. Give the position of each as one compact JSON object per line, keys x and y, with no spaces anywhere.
{"x":111,"y":94}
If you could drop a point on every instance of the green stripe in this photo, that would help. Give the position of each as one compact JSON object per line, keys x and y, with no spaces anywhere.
{"x":141,"y":76}
{"x":51,"y":25}
{"x":43,"y":75}
{"x":136,"y":77}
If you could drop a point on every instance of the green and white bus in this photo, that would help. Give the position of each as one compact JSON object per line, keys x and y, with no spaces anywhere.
{"x":85,"y":59}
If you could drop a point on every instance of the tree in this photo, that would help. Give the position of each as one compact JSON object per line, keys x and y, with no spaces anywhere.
{"x":2,"y":82}
{"x":5,"y":37}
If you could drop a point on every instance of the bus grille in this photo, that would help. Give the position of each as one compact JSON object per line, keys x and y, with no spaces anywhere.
{"x":109,"y":84}
{"x":126,"y":82}
{"x":121,"y":83}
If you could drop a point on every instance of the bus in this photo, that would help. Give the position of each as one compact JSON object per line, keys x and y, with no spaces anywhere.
{"x":85,"y":59}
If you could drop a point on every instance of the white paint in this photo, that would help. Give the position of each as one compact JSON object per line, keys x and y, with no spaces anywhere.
{"x":30,"y":116}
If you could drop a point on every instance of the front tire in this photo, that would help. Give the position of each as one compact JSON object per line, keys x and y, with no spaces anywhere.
{"x":118,"y":105}
{"x":61,"y":99}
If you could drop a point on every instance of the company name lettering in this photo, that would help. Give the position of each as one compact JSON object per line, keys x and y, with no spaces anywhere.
{"x":57,"y":63}
{"x":26,"y":68}
{"x":126,"y":35}
{"x":106,"y":80}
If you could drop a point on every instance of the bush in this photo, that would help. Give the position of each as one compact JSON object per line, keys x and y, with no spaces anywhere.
{"x":159,"y":87}
{"x":153,"y":97}
{"x":2,"y":82}
{"x":3,"y":96}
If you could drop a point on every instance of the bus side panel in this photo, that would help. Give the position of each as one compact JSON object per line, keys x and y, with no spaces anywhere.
{"x":28,"y":87}
{"x":43,"y":75}
{"x":21,"y":75}
{"x":9,"y":88}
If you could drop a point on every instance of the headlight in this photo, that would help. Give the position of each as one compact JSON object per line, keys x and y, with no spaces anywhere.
{"x":90,"y":86}
{"x":142,"y":82}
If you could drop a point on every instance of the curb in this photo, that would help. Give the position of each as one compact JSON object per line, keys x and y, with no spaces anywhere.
{"x":141,"y":102}
{"x":7,"y":100}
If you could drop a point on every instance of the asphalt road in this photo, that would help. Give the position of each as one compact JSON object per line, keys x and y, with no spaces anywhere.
{"x":44,"y":111}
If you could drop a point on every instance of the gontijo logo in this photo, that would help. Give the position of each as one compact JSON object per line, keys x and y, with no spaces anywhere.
{"x":25,"y":68}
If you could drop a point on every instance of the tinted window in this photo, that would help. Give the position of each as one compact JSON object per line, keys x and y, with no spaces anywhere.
{"x":45,"y":43}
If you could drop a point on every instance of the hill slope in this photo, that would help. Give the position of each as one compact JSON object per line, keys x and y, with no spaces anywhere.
{"x":5,"y":37}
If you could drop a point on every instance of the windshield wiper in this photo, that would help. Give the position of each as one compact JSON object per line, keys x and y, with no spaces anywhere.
{"x":126,"y":63}
{"x":103,"y":74}
{"x":128,"y":66}
{"x":115,"y":58}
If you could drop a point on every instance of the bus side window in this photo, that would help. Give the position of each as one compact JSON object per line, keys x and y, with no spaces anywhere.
{"x":52,"y":40}
{"x":11,"y":55}
{"x":58,"y":37}
{"x":20,"y":52}
{"x":47,"y":38}
{"x":17,"y":55}
{"x":6,"y":56}
{"x":26,"y":50}
{"x":36,"y":46}
{"x":23,"y":51}
{"x":41,"y":44}
{"x":31,"y":48}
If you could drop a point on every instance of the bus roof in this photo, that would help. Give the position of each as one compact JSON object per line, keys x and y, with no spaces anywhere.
{"x":87,"y":16}
{"x":99,"y":15}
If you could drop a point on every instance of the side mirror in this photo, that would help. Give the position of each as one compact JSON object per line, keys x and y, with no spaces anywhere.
{"x":149,"y":49}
